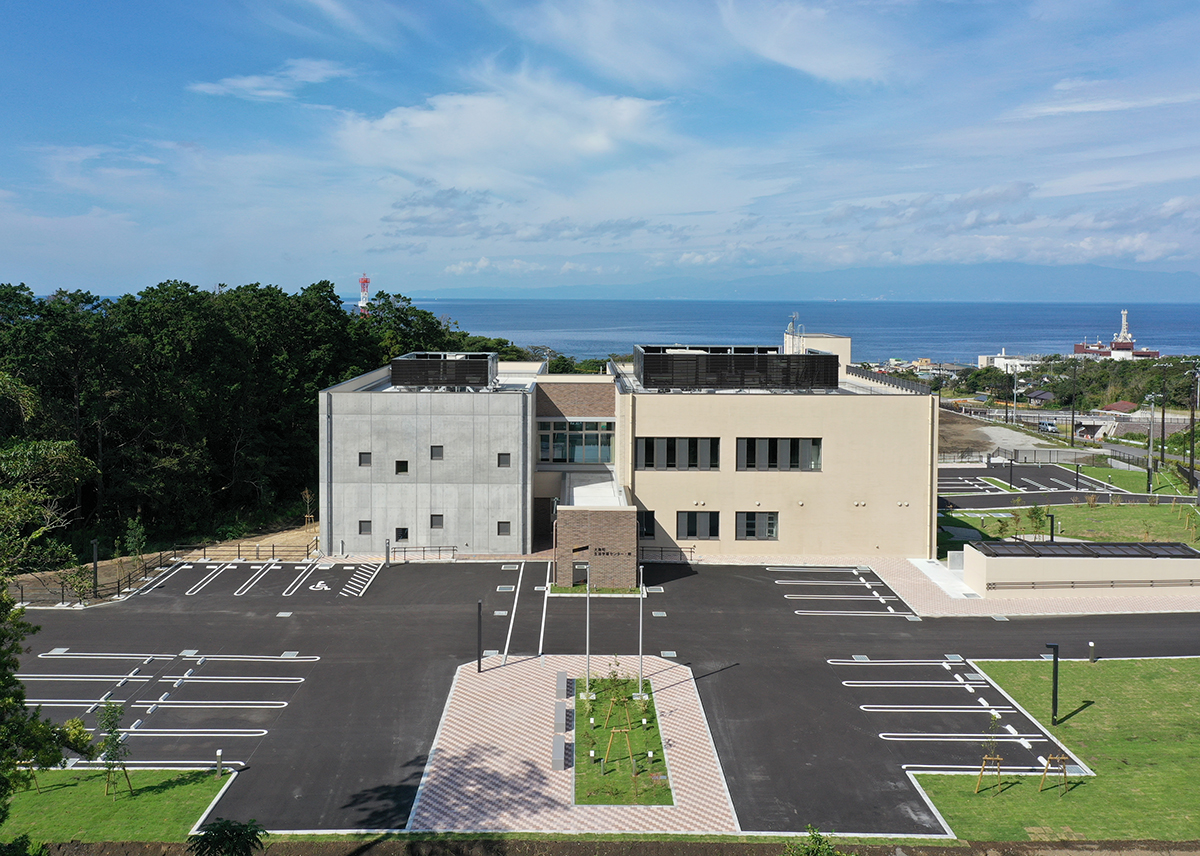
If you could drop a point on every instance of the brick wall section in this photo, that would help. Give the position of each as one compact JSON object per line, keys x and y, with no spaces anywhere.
{"x":576,"y":400}
{"x":610,"y":538}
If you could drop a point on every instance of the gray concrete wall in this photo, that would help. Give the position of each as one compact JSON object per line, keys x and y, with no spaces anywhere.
{"x":467,"y":487}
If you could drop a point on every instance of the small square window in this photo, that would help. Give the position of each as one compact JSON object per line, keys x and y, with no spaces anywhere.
{"x":364,"y":459}
{"x":364,"y":527}
{"x":401,"y":467}
{"x":504,"y":459}
{"x":401,"y":533}
{"x":435,"y":453}
{"x":435,"y":521}
{"x":503,"y":527}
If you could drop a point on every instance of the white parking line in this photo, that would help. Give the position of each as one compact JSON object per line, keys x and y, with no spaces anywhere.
{"x":855,"y":583}
{"x":299,"y":581}
{"x":849,"y":612}
{"x":930,"y":708}
{"x":207,"y":579}
{"x":96,"y":678}
{"x":968,"y":737}
{"x":871,"y":597}
{"x":88,"y":655}
{"x":513,"y":617}
{"x":866,"y":662}
{"x":954,"y":684}
{"x":150,"y":585}
{"x":230,"y":679}
{"x":545,"y":603}
{"x":254,"y":578}
{"x":88,"y":702}
{"x":193,"y":732}
{"x":251,"y":658}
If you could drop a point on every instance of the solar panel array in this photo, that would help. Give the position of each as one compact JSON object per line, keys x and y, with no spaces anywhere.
{"x":1077,"y":550}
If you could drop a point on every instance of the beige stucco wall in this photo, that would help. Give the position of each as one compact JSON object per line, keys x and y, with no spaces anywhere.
{"x":875,"y":492}
{"x":979,"y":570}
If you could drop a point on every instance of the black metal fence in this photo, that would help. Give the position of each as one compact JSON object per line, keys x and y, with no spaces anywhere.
{"x":225,"y":552}
{"x":53,"y":590}
{"x":1070,"y":457}
{"x":888,"y":380}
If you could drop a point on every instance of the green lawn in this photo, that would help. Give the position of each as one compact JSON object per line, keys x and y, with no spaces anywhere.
{"x":1136,"y":723}
{"x":613,"y":782}
{"x":582,"y":589}
{"x":1135,"y":480}
{"x":72,"y":806}
{"x":1124,"y":522}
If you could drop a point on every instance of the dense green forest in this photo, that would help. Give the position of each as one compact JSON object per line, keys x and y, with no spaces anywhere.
{"x":191,"y":411}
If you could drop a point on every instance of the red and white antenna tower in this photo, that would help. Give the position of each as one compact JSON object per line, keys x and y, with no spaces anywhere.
{"x":363,"y":283}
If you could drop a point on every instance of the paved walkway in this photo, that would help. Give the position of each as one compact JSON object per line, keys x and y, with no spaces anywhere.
{"x":490,"y":766}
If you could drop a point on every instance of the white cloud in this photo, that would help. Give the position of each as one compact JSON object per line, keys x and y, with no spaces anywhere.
{"x":280,"y":85}
{"x":517,"y":266}
{"x":1103,"y":105}
{"x":521,"y":125}
{"x":661,"y":43}
{"x":833,"y":44}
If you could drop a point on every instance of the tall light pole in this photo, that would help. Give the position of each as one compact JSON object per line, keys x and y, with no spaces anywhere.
{"x":1195,"y":373}
{"x":1162,"y":434}
{"x":1150,"y":447}
{"x":1074,"y":395}
{"x":640,"y":694}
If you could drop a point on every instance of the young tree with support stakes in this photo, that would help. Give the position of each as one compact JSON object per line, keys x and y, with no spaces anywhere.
{"x":113,"y":750}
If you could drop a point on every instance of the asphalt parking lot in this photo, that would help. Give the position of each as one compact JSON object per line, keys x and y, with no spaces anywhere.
{"x":821,"y":689}
{"x":1023,"y":477}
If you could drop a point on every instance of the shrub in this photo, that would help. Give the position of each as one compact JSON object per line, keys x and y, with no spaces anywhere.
{"x":815,"y":844}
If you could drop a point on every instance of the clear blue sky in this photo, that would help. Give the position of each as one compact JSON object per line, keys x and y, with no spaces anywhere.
{"x":454,"y":143}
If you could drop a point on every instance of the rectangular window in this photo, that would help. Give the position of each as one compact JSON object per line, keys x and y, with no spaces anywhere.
{"x":575,"y":442}
{"x":698,"y":525}
{"x":757,"y":526}
{"x":401,"y":533}
{"x":503,"y":527}
{"x":677,"y":453}
{"x":436,"y":453}
{"x":364,"y":527}
{"x":401,"y":467}
{"x":435,"y":521}
{"x":504,"y":459}
{"x":779,"y":453}
{"x":645,"y":525}
{"x":364,"y":459}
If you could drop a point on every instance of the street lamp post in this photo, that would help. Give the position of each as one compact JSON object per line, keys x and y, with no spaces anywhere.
{"x":1074,"y":394}
{"x":1150,"y":448}
{"x":640,"y":694}
{"x":1162,"y":434}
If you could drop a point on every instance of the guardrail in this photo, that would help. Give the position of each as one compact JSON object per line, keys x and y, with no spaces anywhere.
{"x":408,"y":554}
{"x":667,"y":555}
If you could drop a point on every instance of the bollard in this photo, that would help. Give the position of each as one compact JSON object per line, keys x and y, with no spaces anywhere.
{"x":1091,"y":652}
{"x":62,"y":596}
{"x":218,"y":763}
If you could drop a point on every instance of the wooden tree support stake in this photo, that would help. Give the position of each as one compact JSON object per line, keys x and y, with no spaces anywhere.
{"x":989,"y":760}
{"x":1051,"y":760}
{"x":628,"y":745}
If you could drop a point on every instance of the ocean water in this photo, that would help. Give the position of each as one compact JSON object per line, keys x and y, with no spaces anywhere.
{"x":944,"y":332}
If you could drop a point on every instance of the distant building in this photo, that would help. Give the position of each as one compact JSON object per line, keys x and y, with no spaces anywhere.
{"x":1121,"y":407}
{"x":1009,"y":363}
{"x":1122,"y":346}
{"x":1040,"y":397}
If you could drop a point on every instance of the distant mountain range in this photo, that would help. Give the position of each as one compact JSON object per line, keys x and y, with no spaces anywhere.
{"x":979,"y":283}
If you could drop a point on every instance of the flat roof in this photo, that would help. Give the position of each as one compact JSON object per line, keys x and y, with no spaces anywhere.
{"x":1086,"y":550}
